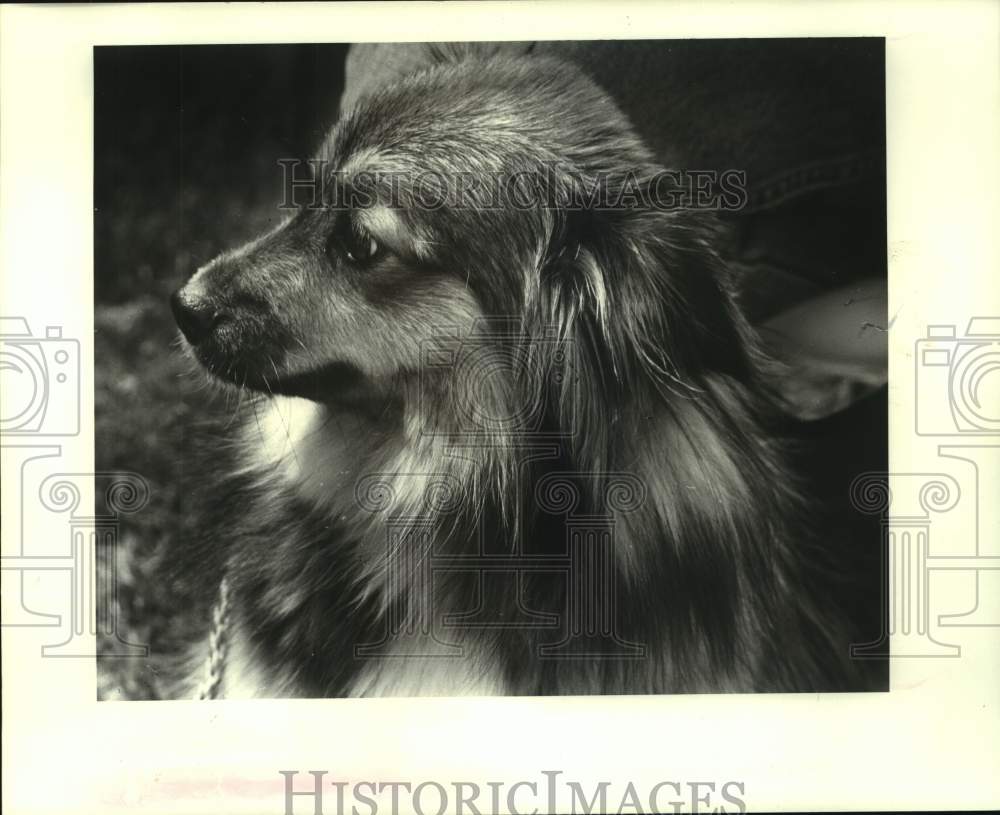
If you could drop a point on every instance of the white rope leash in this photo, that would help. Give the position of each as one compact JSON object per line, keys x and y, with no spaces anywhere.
{"x":216,"y":662}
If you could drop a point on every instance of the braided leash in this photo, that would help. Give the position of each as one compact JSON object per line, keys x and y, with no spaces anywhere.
{"x":217,"y":644}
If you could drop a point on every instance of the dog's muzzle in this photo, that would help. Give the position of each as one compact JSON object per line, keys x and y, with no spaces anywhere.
{"x":195,"y":317}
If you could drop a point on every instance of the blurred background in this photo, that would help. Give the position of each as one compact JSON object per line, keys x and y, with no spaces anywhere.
{"x":186,"y":147}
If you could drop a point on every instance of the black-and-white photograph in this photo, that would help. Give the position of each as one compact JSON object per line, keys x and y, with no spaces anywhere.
{"x":492,"y":368}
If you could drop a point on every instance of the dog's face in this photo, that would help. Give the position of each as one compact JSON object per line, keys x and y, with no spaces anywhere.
{"x":438,"y":208}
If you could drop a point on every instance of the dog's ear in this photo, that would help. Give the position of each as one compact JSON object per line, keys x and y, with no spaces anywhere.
{"x":661,"y":384}
{"x":641,"y":306}
{"x":643,"y":297}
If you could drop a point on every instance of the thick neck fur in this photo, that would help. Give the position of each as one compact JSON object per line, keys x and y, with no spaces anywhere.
{"x":707,"y":581}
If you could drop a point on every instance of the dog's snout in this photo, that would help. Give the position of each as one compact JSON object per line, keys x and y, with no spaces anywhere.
{"x":195,"y":317}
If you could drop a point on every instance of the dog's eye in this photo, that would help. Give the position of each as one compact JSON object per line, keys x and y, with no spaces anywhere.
{"x":362,"y":247}
{"x":356,"y":242}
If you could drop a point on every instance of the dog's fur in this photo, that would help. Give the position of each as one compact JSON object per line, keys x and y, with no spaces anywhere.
{"x":617,"y":327}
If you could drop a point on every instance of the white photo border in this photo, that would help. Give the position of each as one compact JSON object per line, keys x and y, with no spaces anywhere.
{"x":932,"y":742}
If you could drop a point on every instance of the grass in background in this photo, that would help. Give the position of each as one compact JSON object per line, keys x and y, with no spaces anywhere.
{"x":187,"y":141}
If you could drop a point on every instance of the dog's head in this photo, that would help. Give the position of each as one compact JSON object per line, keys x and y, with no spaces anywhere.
{"x":475,"y":190}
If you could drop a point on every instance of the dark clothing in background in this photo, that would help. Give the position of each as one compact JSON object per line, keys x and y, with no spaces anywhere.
{"x":804,"y":118}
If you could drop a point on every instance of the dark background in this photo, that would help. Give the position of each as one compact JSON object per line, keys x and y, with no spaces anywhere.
{"x":187,"y":142}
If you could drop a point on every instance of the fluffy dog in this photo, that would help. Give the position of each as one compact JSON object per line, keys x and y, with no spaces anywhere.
{"x":500,"y":448}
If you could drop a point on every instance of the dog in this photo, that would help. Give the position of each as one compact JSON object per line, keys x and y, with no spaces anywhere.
{"x":522,"y":448}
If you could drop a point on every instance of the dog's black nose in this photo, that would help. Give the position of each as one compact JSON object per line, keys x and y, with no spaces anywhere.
{"x":195,"y":318}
